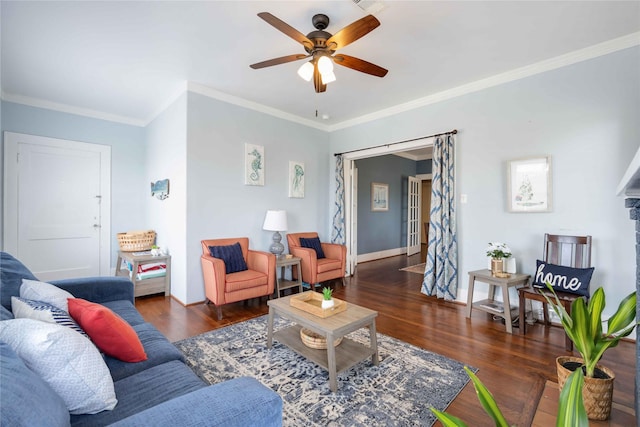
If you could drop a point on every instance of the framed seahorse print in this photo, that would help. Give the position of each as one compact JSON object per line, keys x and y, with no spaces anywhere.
{"x":253,"y":164}
{"x":296,"y":179}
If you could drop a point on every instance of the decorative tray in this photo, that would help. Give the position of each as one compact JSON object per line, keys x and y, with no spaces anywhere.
{"x":311,"y":302}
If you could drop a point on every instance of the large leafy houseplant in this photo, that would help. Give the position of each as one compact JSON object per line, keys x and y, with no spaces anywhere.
{"x":571,"y":412}
{"x":584,"y":325}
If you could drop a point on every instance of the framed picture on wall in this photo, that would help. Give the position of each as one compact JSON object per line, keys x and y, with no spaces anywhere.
{"x":529,"y":185}
{"x":253,"y":164}
{"x":379,"y":197}
{"x":296,"y":180}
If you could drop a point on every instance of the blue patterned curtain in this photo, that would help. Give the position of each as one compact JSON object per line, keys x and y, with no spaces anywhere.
{"x":441,"y":270}
{"x":337,"y":234}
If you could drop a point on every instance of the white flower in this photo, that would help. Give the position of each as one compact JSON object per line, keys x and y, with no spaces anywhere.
{"x":498,"y":250}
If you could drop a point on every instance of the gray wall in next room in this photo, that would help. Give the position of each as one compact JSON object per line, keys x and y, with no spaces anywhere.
{"x":424,"y":166}
{"x":380,"y":231}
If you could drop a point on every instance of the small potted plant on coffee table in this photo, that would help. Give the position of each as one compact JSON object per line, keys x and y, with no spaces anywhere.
{"x":327,"y":299}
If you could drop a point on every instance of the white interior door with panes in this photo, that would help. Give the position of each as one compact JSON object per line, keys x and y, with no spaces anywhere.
{"x":57,"y":206}
{"x":413,"y":216}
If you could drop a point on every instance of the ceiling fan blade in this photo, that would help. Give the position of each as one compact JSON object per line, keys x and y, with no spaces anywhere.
{"x":286,"y":28}
{"x":360,"y":65}
{"x":353,"y":32}
{"x":278,"y":61}
{"x":317,"y":80}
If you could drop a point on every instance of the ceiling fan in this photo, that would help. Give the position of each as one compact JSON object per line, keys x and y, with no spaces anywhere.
{"x":321,"y":47}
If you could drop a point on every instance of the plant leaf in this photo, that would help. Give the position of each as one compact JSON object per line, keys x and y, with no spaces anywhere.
{"x":623,"y":317}
{"x":486,"y":399}
{"x":595,"y":308}
{"x":448,"y":420}
{"x":571,"y":411}
{"x":581,"y":334}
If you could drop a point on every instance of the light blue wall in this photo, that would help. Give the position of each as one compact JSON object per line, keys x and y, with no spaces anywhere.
{"x":128,"y":185}
{"x":390,"y":226}
{"x":166,"y":158}
{"x":220,"y":205}
{"x":585,"y":116}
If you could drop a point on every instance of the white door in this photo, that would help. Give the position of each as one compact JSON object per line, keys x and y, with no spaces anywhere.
{"x":413,"y":216}
{"x":57,"y":202}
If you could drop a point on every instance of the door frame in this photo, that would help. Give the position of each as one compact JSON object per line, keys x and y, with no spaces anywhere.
{"x":10,"y":223}
{"x":350,"y":222}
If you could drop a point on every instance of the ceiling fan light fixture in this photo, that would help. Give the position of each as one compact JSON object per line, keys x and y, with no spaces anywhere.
{"x":306,"y":71}
{"x":328,"y":77}
{"x":325,"y":65}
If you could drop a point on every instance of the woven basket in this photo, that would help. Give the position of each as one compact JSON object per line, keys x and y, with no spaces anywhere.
{"x":136,"y":240}
{"x":597,"y":393}
{"x":313,"y":340}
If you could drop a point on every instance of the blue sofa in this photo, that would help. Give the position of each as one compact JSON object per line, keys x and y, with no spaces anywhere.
{"x":161,"y":391}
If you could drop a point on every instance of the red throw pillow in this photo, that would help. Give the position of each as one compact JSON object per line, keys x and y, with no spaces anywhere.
{"x":108,"y":331}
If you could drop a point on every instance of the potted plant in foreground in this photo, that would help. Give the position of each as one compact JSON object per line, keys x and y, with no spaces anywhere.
{"x":584,"y":328}
{"x":327,"y":299}
{"x":571,"y":411}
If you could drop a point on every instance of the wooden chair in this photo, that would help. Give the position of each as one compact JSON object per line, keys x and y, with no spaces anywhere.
{"x":570,"y":251}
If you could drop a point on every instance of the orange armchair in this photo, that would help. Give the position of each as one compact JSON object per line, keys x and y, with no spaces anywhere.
{"x":222,"y":288}
{"x":314,"y":270}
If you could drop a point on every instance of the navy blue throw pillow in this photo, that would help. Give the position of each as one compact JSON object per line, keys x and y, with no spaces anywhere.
{"x":313,"y":243}
{"x":564,"y":279}
{"x":231,"y":255}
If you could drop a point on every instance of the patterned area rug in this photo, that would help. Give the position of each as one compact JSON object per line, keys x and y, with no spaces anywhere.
{"x":419,"y":268}
{"x":397,"y":392}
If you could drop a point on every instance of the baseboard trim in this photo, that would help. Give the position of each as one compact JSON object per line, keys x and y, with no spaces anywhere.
{"x":372,"y":256}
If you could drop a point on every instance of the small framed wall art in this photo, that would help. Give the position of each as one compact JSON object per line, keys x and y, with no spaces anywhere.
{"x":379,"y":197}
{"x":529,"y":185}
{"x":296,"y":180}
{"x":253,"y":164}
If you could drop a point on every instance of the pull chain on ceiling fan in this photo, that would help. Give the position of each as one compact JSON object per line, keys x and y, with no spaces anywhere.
{"x":321,"y":47}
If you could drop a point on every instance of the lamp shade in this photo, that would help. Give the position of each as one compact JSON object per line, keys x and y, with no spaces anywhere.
{"x":325,"y":65}
{"x":328,"y":77}
{"x":275,"y":221}
{"x":306,"y":71}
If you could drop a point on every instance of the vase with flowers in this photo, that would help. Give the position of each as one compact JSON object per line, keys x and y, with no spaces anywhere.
{"x":498,"y":252}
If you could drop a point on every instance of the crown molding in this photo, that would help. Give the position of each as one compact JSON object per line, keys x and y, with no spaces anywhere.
{"x":413,"y":157}
{"x":587,"y":53}
{"x":64,"y":108}
{"x":215,"y":94}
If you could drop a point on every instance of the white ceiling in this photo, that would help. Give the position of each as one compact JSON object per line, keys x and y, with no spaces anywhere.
{"x":126,"y":60}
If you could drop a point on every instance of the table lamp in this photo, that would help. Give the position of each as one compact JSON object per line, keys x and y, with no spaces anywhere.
{"x":276,"y":221}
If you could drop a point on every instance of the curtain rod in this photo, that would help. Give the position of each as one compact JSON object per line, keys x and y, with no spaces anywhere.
{"x":453,"y":132}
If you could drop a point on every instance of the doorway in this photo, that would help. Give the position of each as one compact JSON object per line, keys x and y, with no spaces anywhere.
{"x":426,"y":211}
{"x":58,"y":206}
{"x":351,"y":191}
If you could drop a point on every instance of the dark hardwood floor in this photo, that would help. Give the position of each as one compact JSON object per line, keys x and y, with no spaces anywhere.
{"x":515,"y":368}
